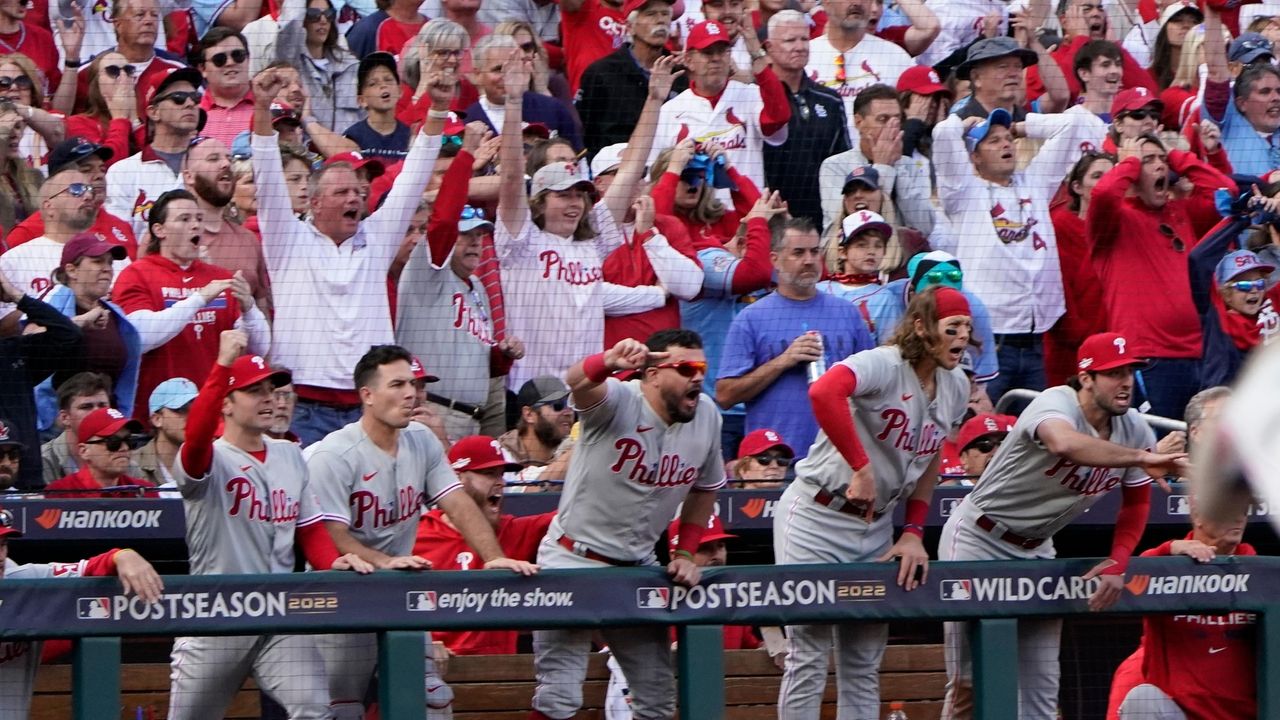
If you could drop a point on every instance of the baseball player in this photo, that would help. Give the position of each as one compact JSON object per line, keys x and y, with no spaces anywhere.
{"x":645,"y":446}
{"x":19,"y":659}
{"x":906,"y":398}
{"x":372,"y":479}
{"x":247,"y":498}
{"x":1071,"y":445}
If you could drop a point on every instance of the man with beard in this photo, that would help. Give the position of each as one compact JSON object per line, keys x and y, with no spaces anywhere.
{"x":11,"y":450}
{"x":480,"y":465}
{"x":772,"y":341}
{"x":372,"y":478}
{"x":1134,"y":221}
{"x":1084,"y":21}
{"x":538,"y":443}
{"x":1072,"y":444}
{"x":647,"y":446}
{"x":207,"y":175}
{"x":615,"y":87}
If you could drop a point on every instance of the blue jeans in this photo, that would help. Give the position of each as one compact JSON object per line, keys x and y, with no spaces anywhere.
{"x":1168,"y":385}
{"x":312,"y":421}
{"x":1020,"y":367}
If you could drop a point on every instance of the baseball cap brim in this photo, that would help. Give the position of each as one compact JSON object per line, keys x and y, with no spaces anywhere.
{"x":1027,"y":57}
{"x":504,"y":464}
{"x":998,"y":117}
{"x":110,"y":429}
{"x":882,"y":228}
{"x":279,"y":378}
{"x":865,"y":182}
{"x":186,"y":74}
{"x":473,"y":224}
{"x":1137,"y":363}
{"x":569,"y":183}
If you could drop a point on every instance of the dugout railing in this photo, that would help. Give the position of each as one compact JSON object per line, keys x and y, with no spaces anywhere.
{"x":398,"y":606}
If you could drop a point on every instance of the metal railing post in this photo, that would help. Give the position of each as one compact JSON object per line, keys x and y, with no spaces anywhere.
{"x":95,"y":678}
{"x":700,"y":665}
{"x":995,"y":668}
{"x":402,"y":693}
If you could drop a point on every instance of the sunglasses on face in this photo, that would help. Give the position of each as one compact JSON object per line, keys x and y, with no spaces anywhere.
{"x":529,"y":47}
{"x":22,"y":82}
{"x":686,"y":368}
{"x":116,"y":442}
{"x":557,"y":405}
{"x":1141,"y":115}
{"x":113,"y":71}
{"x":766,"y":460}
{"x":1248,"y":285}
{"x":235,"y":56}
{"x":10,"y":453}
{"x":314,"y":14}
{"x":181,"y":97}
{"x":937,"y":277}
{"x":75,"y":190}
{"x":984,"y":445}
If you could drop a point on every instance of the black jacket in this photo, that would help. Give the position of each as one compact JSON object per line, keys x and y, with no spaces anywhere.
{"x":817,"y":130}
{"x":25,"y":361}
{"x":611,"y":96}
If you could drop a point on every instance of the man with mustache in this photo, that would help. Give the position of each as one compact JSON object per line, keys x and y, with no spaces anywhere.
{"x":207,"y":175}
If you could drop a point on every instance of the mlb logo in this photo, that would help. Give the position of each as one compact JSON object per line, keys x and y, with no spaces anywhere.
{"x":420,"y":601}
{"x":1178,"y":505}
{"x":957,"y":589}
{"x":95,"y":608}
{"x":948,"y":505}
{"x":653,"y":598}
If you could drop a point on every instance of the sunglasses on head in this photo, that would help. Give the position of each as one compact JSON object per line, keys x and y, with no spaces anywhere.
{"x":1142,"y":115}
{"x":235,"y":56}
{"x":74,"y":190}
{"x":113,"y":71}
{"x":937,"y":277}
{"x":767,"y":459}
{"x":985,"y":445}
{"x":1248,"y":285}
{"x":10,"y":453}
{"x":556,"y":405}
{"x":687,"y":368}
{"x":22,"y":82}
{"x":471,"y":213}
{"x":115,"y":442}
{"x":181,"y":97}
{"x":452,"y":140}
{"x":314,"y":14}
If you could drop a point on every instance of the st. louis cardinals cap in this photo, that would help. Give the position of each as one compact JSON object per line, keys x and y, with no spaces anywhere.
{"x":856,"y":223}
{"x":865,"y":175}
{"x":479,"y":452}
{"x":157,"y":83}
{"x":7,"y":437}
{"x":1237,"y":263}
{"x":921,"y":80}
{"x":105,"y":422}
{"x":1106,"y":351}
{"x":715,"y":531}
{"x":980,"y":426}
{"x":8,"y":525}
{"x":420,"y":371}
{"x":249,"y":370}
{"x":762,"y":440}
{"x":705,"y":34}
{"x":631,"y":6}
{"x":72,"y":150}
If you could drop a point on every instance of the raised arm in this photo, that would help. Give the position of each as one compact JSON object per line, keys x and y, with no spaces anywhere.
{"x":513,"y":202}
{"x":924,"y":26}
{"x":587,"y":378}
{"x":623,"y":190}
{"x":196,"y":453}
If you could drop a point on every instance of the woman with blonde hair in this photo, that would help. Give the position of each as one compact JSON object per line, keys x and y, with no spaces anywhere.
{"x":545,"y":81}
{"x":19,"y":182}
{"x":22,"y":87}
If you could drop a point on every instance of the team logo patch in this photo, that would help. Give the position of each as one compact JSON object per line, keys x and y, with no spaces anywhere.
{"x":653,"y":598}
{"x":420,"y":601}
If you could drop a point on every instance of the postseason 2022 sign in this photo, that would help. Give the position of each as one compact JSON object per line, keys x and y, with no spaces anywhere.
{"x":333,"y":601}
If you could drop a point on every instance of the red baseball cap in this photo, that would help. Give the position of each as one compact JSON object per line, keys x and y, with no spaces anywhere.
{"x":479,"y":452}
{"x":1134,"y":98}
{"x":715,"y":531}
{"x":982,"y":425}
{"x":1106,"y":351}
{"x":358,"y":161}
{"x":105,"y":422}
{"x":705,"y":34}
{"x":631,"y":6}
{"x":381,"y":185}
{"x":8,"y":526}
{"x":89,"y":244}
{"x":250,"y":370}
{"x":758,"y":441}
{"x":159,"y":82}
{"x":921,"y":80}
{"x":420,"y":372}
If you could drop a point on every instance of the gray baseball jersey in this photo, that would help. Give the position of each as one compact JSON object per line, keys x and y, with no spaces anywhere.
{"x":447,"y":323}
{"x":379,"y":496}
{"x":899,"y":427}
{"x":1036,"y":493}
{"x":630,"y":471}
{"x":242,"y":515}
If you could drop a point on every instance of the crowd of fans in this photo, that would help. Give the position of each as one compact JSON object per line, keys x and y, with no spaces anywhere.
{"x":504,"y":187}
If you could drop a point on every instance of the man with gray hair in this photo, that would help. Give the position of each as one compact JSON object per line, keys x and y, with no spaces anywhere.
{"x":488,"y":58}
{"x":1202,"y":410}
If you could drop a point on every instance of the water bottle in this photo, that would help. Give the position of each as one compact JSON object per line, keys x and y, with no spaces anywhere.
{"x":816,"y":368}
{"x":896,"y":712}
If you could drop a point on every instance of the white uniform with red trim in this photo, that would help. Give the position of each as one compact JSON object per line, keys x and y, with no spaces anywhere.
{"x":872,"y":61}
{"x":133,"y":186}
{"x":629,"y":473}
{"x":734,"y":122}
{"x":241,"y":519}
{"x":380,"y":498}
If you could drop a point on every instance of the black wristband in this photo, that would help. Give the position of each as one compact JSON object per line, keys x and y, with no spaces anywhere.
{"x":72,"y":63}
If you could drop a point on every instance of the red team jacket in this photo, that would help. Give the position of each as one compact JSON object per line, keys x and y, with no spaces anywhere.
{"x":440,"y":543}
{"x":1206,"y":663}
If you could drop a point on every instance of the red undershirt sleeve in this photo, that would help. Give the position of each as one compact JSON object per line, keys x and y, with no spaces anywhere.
{"x":830,"y":398}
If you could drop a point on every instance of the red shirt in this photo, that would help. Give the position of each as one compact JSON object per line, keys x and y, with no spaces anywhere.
{"x":156,"y":283}
{"x":226,"y":122}
{"x":589,"y":34}
{"x":36,"y":43}
{"x":115,"y":134}
{"x":1085,"y":313}
{"x":1134,"y":74}
{"x":443,"y":545}
{"x":1131,"y":251}
{"x":82,"y":479}
{"x":394,"y":36}
{"x":157,"y":64}
{"x":629,"y":266}
{"x":107,"y":226}
{"x":951,"y":465}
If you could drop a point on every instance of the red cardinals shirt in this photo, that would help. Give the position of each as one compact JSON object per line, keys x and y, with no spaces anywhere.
{"x":442,"y":544}
{"x":107,"y":226}
{"x":82,"y":479}
{"x":155,"y":283}
{"x":592,"y":32}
